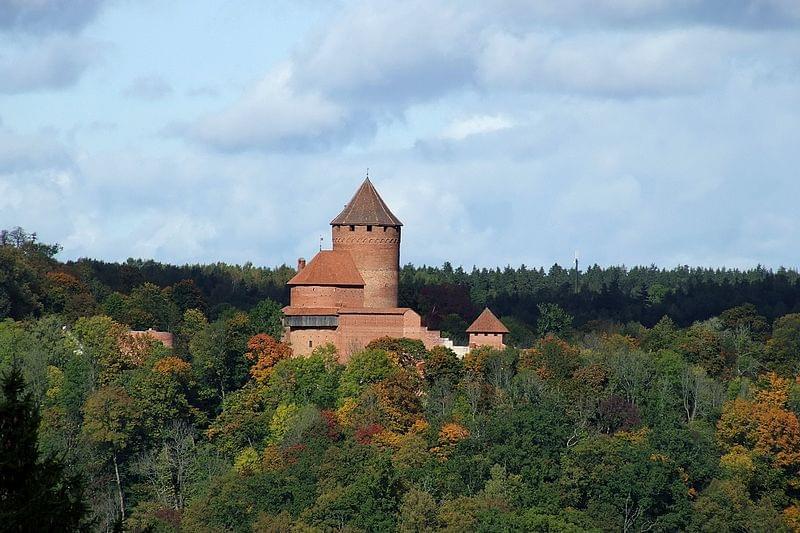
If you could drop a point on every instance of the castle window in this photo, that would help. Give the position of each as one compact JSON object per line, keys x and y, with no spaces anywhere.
{"x":352,"y":228}
{"x":369,"y":228}
{"x":310,"y":344}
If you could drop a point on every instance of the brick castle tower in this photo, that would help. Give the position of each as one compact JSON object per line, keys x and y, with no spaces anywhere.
{"x":347,"y":296}
{"x":370,"y":233}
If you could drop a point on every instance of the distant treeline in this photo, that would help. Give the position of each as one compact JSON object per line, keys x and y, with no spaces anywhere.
{"x":613,"y":294}
{"x":448,"y":298}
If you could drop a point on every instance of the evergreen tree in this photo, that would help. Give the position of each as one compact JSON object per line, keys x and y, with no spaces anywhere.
{"x":36,"y":494}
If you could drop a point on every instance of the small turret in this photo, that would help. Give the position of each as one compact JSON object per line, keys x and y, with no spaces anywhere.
{"x":487,"y":330}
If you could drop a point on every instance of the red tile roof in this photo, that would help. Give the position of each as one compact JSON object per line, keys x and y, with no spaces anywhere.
{"x":329,"y":267}
{"x":366,"y":208}
{"x":487,"y":323}
{"x":165,"y":337}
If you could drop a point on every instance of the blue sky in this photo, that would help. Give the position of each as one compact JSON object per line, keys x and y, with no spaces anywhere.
{"x":506,"y":132}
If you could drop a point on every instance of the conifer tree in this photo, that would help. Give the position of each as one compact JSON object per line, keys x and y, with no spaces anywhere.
{"x":36,"y":493}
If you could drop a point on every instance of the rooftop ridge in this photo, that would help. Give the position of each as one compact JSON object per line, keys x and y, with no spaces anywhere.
{"x":329,"y":267}
{"x":487,"y":323}
{"x":366,"y":208}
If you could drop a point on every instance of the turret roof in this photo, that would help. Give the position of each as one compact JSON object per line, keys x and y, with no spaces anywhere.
{"x":487,"y":323}
{"x":329,"y":267}
{"x":366,"y":208}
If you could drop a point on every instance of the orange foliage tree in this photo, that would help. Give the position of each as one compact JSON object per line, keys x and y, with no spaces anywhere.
{"x":266,"y":352}
{"x":764,"y":425}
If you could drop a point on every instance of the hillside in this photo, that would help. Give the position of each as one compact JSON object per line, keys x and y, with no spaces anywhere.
{"x":648,"y":399}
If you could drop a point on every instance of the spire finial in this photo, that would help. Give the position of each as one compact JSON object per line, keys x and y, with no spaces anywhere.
{"x":367,"y":173}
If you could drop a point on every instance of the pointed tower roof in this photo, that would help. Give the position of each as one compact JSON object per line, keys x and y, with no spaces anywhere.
{"x":366,"y":208}
{"x":487,"y":323}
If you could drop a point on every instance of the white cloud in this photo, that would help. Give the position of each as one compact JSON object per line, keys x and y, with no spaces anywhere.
{"x":273,"y":113}
{"x":30,"y":152}
{"x":390,"y":52}
{"x":369,"y":65}
{"x":461,"y":129}
{"x":636,"y":131}
{"x":617,"y":65}
{"x":173,"y":234}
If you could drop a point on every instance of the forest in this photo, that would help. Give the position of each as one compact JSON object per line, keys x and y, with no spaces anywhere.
{"x":627,"y":399}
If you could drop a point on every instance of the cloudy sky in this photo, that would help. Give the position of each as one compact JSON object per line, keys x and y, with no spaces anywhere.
{"x":504,"y":132}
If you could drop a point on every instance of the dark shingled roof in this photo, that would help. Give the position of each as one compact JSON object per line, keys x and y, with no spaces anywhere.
{"x":366,"y":208}
{"x":329,"y":267}
{"x":487,"y":323}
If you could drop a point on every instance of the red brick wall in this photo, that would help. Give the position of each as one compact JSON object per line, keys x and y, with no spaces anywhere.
{"x":300,"y":338}
{"x":486,"y":339}
{"x":323,"y":296}
{"x":377,"y":257}
{"x":356,"y":331}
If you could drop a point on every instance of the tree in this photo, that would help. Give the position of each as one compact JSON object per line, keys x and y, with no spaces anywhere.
{"x":783,"y":349}
{"x":551,"y":358}
{"x":699,"y":392}
{"x":662,"y":336}
{"x":399,"y":402}
{"x":702,"y":345}
{"x":552,"y":319}
{"x":151,"y":307}
{"x":169,"y":467}
{"x":615,"y":414}
{"x":36,"y":493}
{"x":242,"y":422}
{"x":726,"y":506}
{"x":110,"y":416}
{"x":267,"y":317}
{"x":746,"y":317}
{"x":442,"y":364}
{"x":99,"y":337}
{"x":265,"y":352}
{"x":417,"y":512}
{"x":520,"y":334}
{"x":624,"y":484}
{"x":307,"y":380}
{"x":66,"y":294}
{"x":405,"y":353}
{"x":186,"y":296}
{"x":364,"y":368}
{"x":218,"y":355}
{"x":20,"y":285}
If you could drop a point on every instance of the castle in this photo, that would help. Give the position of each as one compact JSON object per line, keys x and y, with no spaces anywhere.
{"x":347,"y":296}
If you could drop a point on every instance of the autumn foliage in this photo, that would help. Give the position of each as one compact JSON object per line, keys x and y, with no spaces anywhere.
{"x":266,"y":352}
